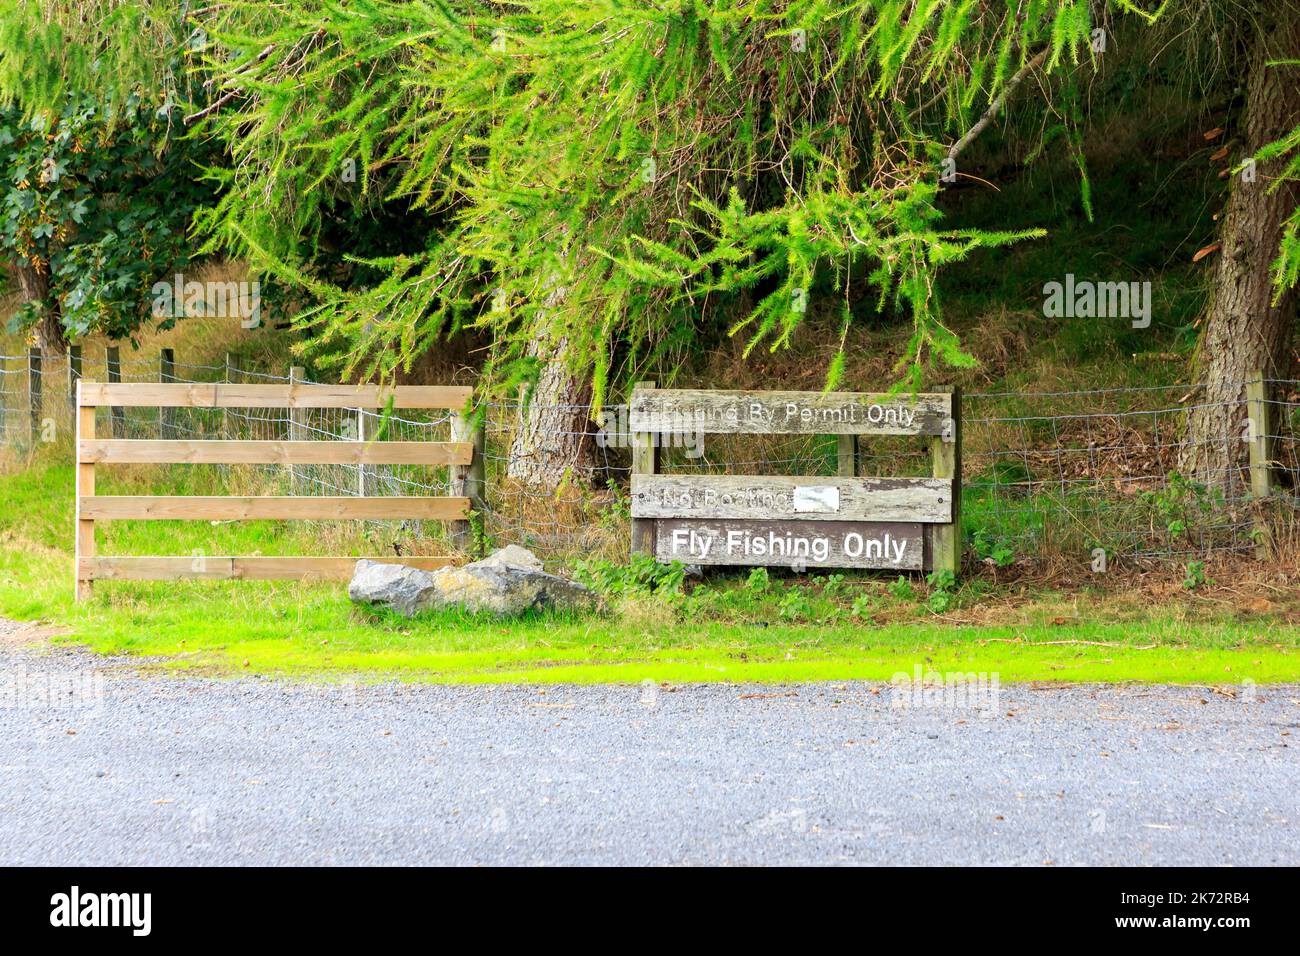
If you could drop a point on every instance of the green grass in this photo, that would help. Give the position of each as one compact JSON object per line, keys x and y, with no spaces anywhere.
{"x":740,"y":628}
{"x":301,"y":630}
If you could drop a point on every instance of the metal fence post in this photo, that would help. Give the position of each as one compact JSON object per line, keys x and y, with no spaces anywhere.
{"x":34,"y":394}
{"x":297,"y":423}
{"x":225,"y":412}
{"x":117,"y":417}
{"x":74,"y":374}
{"x":363,"y":471}
{"x":1260,"y":476}
{"x":167,"y":373}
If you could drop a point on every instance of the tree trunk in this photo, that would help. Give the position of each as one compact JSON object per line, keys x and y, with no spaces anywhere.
{"x":1244,"y":331}
{"x":35,"y":287}
{"x":553,"y":438}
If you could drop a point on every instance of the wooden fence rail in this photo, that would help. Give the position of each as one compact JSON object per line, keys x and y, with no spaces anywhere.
{"x":463,"y":456}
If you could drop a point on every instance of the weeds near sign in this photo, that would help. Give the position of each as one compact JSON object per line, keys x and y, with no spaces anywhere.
{"x":992,"y":549}
{"x":864,"y":605}
{"x":641,"y":574}
{"x":902,"y":589}
{"x":794,"y":605}
{"x":941,"y":591}
{"x":1196,"y":576}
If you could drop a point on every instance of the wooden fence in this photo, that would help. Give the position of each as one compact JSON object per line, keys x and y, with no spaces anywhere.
{"x":463,"y":456}
{"x":811,"y":521}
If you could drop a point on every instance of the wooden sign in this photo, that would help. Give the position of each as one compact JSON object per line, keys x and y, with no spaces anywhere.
{"x":671,"y":411}
{"x":777,"y":497}
{"x":800,"y":544}
{"x":808,"y":521}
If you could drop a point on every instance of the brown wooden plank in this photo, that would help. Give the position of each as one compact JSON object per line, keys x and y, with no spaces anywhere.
{"x":85,"y":541}
{"x":829,"y":498}
{"x":798,"y":544}
{"x":695,"y":411}
{"x":645,"y":461}
{"x":119,"y":507}
{"x":256,"y":568}
{"x":945,"y":460}
{"x":848,"y":456}
{"x":298,"y":395}
{"x":216,"y":452}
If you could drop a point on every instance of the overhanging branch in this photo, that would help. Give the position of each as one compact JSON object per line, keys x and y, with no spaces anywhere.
{"x":996,"y":106}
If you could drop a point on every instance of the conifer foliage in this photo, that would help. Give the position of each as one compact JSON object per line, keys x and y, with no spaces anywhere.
{"x":606,"y":178}
{"x":650,"y":160}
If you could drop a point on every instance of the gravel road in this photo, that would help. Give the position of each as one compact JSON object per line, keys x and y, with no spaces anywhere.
{"x":102,"y":765}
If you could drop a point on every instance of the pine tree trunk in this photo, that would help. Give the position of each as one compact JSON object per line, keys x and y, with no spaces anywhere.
{"x":1244,"y":331}
{"x":34,"y":286}
{"x":553,"y":436}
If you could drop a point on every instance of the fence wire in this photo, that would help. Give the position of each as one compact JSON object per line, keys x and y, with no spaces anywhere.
{"x":1043,"y":472}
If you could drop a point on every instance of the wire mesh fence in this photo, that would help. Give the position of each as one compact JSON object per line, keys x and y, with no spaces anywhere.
{"x":1062,"y":473}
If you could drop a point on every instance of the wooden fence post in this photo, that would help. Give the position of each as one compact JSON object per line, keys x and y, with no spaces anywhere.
{"x":297,"y":422}
{"x":74,"y":375}
{"x":166,"y":373}
{"x":116,"y":416}
{"x":34,"y":394}
{"x":85,"y":545}
{"x":945,"y":460}
{"x":847,"y":456}
{"x":467,"y":480}
{"x":645,"y":461}
{"x":1261,"y":485}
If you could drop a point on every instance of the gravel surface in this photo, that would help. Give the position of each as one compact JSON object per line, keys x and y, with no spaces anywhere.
{"x":102,"y":765}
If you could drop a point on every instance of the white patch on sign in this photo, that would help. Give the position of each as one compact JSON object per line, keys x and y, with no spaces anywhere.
{"x":817,"y":499}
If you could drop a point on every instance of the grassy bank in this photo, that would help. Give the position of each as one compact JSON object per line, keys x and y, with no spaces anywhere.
{"x":746,"y":627}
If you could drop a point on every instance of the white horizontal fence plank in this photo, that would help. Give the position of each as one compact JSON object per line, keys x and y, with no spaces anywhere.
{"x":798,"y":544}
{"x":687,"y":411}
{"x":926,"y":500}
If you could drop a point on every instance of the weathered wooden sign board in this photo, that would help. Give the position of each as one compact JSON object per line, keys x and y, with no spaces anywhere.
{"x":814,"y":544}
{"x":827,"y":499}
{"x":802,"y":522}
{"x":788,"y":413}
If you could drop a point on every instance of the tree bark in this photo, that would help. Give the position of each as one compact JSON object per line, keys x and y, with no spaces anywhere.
{"x":553,"y":438}
{"x":34,"y":286}
{"x":1244,"y":331}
